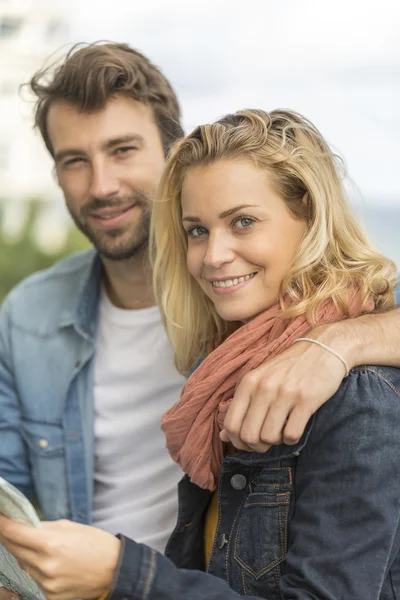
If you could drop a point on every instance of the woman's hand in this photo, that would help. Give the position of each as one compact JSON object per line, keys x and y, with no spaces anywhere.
{"x":66,"y":559}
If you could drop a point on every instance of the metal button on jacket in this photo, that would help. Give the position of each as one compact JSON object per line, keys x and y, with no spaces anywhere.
{"x":238,"y":481}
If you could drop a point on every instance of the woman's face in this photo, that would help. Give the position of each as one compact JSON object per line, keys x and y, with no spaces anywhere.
{"x":241,"y":236}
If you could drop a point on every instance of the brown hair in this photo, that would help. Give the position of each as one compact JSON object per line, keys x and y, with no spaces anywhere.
{"x":89,"y":76}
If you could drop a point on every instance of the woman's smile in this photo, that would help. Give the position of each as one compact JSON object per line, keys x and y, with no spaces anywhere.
{"x":231,"y":285}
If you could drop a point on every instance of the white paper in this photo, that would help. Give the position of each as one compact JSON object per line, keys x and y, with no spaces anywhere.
{"x":16,"y":506}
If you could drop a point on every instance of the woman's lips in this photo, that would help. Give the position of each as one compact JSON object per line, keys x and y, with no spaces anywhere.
{"x":225,"y":287}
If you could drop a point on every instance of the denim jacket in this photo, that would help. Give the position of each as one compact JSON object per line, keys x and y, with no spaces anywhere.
{"x":318,"y":520}
{"x":47,"y":341}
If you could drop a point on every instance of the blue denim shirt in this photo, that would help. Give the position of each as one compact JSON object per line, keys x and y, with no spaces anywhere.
{"x":47,"y":341}
{"x":318,"y":520}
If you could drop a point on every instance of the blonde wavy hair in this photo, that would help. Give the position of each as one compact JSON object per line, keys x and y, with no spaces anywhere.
{"x":333,"y":255}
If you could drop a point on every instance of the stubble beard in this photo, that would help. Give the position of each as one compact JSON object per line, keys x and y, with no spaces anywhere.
{"x":122,"y":243}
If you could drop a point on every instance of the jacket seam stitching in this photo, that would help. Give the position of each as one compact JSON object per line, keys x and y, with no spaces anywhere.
{"x":150,"y":575}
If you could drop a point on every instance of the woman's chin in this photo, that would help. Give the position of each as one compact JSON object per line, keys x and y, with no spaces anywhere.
{"x":242,"y":316}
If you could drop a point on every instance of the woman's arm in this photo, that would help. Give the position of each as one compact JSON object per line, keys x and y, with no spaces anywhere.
{"x":345,"y":532}
{"x":69,"y":560}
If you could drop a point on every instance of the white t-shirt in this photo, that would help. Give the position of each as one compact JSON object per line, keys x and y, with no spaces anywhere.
{"x":135,"y":383}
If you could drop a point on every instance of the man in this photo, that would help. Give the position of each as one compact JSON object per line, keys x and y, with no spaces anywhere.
{"x":79,"y":428}
{"x":86,"y":370}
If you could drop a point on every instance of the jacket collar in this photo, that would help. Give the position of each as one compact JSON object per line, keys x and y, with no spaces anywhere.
{"x":83,"y":315}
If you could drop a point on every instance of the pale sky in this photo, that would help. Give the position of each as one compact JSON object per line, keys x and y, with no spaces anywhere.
{"x":336,"y":62}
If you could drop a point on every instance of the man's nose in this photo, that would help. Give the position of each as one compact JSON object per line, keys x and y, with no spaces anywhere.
{"x":104,"y":182}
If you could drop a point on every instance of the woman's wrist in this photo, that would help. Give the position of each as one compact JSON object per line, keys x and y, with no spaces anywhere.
{"x":110,"y":568}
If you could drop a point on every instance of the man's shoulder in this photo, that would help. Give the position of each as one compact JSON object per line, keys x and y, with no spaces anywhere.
{"x":52,"y":290}
{"x":63,"y":273}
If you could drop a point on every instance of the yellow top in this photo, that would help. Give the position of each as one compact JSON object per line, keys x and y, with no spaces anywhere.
{"x":104,"y":595}
{"x":210,"y":526}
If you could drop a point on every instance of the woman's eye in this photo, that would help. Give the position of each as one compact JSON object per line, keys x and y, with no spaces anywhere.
{"x":197,"y":231}
{"x":244,"y":222}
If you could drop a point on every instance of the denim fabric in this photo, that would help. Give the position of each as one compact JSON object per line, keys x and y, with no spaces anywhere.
{"x":47,"y":337}
{"x":318,"y":520}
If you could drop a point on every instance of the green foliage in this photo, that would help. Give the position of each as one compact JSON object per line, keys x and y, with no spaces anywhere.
{"x":23,"y":256}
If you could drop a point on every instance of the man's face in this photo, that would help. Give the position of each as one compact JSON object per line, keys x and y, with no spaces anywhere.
{"x":108,"y":164}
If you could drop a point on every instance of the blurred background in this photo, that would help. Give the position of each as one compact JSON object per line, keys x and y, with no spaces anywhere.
{"x":336,"y":62}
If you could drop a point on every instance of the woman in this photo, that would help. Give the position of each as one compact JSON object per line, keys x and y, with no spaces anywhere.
{"x":255,"y":244}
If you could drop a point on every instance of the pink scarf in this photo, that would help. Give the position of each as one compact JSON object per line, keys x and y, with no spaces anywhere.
{"x":193,"y":425}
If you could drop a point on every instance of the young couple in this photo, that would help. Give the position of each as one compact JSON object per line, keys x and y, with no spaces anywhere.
{"x":253,"y":244}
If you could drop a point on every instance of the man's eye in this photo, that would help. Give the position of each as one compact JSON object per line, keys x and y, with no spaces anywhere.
{"x":197,"y":231}
{"x":125,"y":150}
{"x":73,"y":161}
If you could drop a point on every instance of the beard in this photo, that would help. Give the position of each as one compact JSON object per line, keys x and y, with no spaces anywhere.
{"x":120,"y":243}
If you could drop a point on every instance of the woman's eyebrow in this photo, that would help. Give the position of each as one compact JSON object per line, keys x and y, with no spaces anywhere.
{"x":223,"y":215}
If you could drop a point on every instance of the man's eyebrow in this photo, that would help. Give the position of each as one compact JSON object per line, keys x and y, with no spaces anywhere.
{"x":124,"y":139}
{"x":223,"y":215}
{"x":109,"y":144}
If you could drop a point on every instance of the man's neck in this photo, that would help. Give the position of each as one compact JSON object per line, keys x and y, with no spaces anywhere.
{"x":128,"y":282}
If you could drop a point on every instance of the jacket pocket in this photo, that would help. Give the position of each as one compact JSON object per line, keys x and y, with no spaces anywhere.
{"x":261,"y":538}
{"x":46,"y":449}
